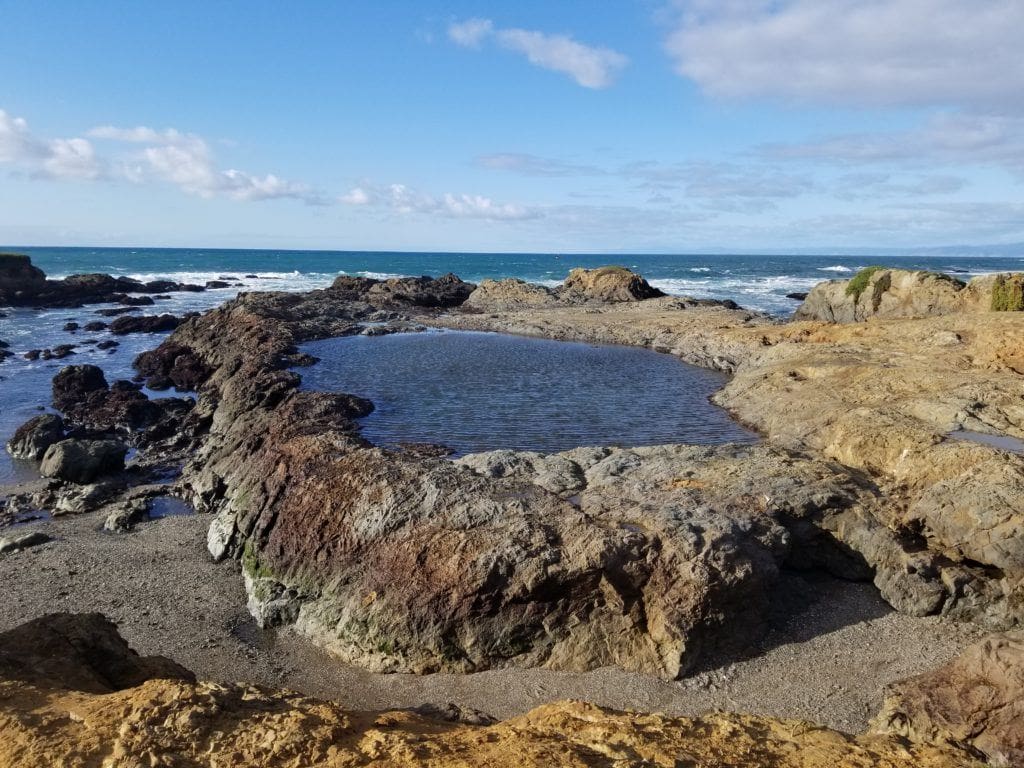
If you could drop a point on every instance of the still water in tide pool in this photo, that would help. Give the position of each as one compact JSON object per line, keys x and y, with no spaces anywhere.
{"x":482,"y":391}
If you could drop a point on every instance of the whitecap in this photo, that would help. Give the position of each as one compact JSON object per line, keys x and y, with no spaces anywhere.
{"x":836,"y":268}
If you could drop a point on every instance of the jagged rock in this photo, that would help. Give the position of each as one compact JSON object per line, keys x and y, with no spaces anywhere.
{"x":217,"y":284}
{"x":32,"y":438}
{"x":144,"y":324}
{"x":975,"y":702}
{"x":134,"y":301}
{"x":509,"y":294}
{"x":72,"y":326}
{"x":608,"y":284}
{"x":95,"y":325}
{"x":22,"y":541}
{"x":82,"y":461}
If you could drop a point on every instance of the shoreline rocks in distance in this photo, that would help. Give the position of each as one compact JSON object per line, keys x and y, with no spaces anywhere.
{"x":24,"y":285}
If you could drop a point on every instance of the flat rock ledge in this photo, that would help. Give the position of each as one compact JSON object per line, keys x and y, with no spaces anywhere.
{"x":73,"y":693}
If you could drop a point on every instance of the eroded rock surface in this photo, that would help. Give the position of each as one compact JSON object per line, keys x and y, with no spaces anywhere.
{"x":975,"y":702}
{"x":73,"y":693}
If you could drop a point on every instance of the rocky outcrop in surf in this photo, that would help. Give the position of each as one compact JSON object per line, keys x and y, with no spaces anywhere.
{"x":25,"y":285}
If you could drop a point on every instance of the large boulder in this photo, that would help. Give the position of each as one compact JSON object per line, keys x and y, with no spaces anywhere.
{"x":82,"y":461}
{"x":77,"y":386}
{"x":32,"y":438}
{"x":609,"y":284}
{"x":975,"y":701}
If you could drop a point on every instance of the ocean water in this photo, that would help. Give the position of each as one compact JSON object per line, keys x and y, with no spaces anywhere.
{"x":755,"y":282}
{"x":483,"y":391}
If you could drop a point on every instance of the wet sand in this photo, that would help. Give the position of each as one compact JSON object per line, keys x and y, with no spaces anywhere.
{"x":832,"y":647}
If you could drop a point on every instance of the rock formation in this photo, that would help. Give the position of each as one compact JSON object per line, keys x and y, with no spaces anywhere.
{"x":881,"y":292}
{"x":24,"y":285}
{"x":608,"y":284}
{"x":73,"y":693}
{"x":32,"y":438}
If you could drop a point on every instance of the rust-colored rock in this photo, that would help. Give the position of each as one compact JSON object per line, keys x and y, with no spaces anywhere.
{"x":976,"y":702}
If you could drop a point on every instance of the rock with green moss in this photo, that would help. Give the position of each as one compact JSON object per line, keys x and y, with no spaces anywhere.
{"x":1008,"y":293}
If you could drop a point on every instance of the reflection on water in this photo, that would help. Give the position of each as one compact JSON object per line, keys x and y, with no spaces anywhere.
{"x":481,"y":391}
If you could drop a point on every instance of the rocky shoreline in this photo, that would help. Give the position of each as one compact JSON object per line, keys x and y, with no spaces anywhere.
{"x":648,"y":559}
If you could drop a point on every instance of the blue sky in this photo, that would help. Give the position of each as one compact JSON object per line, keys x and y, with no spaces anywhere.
{"x":750,"y":125}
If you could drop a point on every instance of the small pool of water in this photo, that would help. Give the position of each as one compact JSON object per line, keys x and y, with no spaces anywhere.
{"x":482,"y":391}
{"x":1002,"y":442}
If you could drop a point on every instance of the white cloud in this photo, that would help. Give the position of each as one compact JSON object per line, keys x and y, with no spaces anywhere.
{"x":402,"y":199}
{"x":470,"y":33}
{"x":49,"y":158}
{"x":186,"y":160}
{"x":355,"y":196}
{"x":534,"y":165}
{"x":589,"y":66}
{"x":855,"y":52}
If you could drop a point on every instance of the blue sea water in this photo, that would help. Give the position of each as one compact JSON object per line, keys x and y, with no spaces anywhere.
{"x":756,"y":282}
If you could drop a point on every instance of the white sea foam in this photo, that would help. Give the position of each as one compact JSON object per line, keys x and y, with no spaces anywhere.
{"x":836,"y":268}
{"x":700,"y":269}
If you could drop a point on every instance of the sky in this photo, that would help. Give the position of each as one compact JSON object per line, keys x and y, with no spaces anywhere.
{"x":584,"y":126}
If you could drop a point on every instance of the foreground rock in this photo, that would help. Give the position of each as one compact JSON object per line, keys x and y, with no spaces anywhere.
{"x":129,"y":711}
{"x":975,"y":702}
{"x":881,"y":292}
{"x":82,"y":461}
{"x":24,"y":285}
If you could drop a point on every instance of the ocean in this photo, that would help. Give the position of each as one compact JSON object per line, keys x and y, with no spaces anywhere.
{"x":755,"y":282}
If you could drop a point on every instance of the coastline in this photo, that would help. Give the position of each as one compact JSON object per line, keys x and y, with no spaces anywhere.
{"x":786,"y":381}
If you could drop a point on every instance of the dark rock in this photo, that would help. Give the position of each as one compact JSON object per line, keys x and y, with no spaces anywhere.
{"x":82,"y":461}
{"x":59,"y":352}
{"x":445,"y":291}
{"x":144,"y":324}
{"x":252,"y":277}
{"x":71,"y":326}
{"x":108,"y":344}
{"x":95,"y":325}
{"x":172,"y":365}
{"x":33,"y":354}
{"x":77,"y":386}
{"x":32,"y":438}
{"x":83,"y":652}
{"x":135,"y":301}
{"x":22,"y":284}
{"x":217,"y":284}
{"x":797,"y":296}
{"x":116,"y":311}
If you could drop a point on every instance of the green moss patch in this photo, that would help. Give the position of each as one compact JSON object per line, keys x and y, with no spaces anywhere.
{"x":1008,"y":293}
{"x":859,"y":282}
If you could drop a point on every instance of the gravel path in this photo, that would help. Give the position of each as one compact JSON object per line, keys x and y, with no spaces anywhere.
{"x":832,"y":648}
